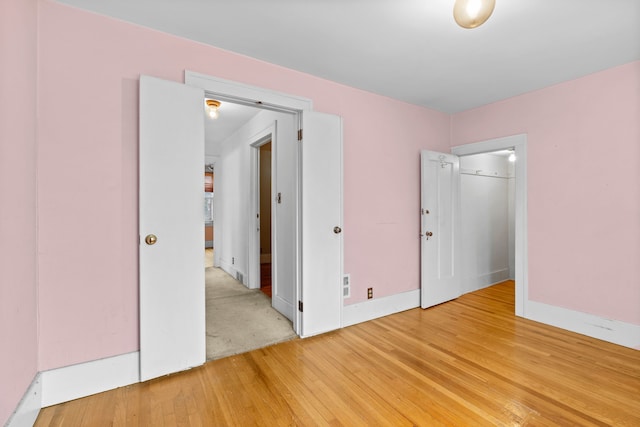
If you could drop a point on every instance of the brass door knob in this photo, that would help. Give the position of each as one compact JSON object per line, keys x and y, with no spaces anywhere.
{"x":150,"y":239}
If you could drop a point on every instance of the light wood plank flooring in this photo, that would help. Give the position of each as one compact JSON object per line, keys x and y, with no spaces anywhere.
{"x":208,"y":257}
{"x":469,"y":362}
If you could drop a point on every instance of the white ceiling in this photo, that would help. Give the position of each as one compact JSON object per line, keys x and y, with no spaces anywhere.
{"x":410,"y":50}
{"x":231,"y":118}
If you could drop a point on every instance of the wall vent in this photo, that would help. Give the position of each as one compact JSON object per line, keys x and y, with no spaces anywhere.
{"x":346,"y":286}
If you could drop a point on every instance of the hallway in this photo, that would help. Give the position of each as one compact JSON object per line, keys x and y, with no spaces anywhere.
{"x":239,"y":319}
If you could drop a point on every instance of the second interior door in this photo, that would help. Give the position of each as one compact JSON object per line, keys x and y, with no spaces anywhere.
{"x":440,"y":253}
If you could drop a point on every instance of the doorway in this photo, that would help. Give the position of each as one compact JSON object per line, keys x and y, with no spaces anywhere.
{"x":516,"y":144}
{"x":487,"y":219}
{"x":313,"y":198}
{"x":171,"y":141}
{"x":265,"y":203}
{"x":241,"y":314}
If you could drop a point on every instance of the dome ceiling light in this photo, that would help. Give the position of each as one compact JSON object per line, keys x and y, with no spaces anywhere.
{"x":472,"y":13}
{"x":212,"y":108}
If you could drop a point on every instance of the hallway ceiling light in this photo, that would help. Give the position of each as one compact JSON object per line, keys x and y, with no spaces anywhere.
{"x":512,"y":157}
{"x":212,"y":108}
{"x":472,"y":13}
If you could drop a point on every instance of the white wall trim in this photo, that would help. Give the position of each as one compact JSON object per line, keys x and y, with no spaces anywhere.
{"x":84,"y":379}
{"x":379,"y":307}
{"x":614,"y":331}
{"x":268,"y":99}
{"x":255,"y":142}
{"x":29,"y":407}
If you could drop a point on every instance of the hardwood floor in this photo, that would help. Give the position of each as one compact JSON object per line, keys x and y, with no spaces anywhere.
{"x":208,"y":257}
{"x":469,"y":362}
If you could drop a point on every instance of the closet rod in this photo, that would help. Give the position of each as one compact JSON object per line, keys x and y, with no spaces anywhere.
{"x":479,"y":172}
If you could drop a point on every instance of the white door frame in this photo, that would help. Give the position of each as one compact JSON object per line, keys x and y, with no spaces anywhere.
{"x":264,"y":98}
{"x":259,"y":139}
{"x":519,"y":143}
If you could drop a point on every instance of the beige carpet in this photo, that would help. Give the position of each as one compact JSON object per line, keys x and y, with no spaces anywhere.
{"x":240,"y":319}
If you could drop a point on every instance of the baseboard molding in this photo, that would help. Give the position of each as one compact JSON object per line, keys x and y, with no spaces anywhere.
{"x":379,"y":307}
{"x":614,"y":331}
{"x":471,"y":284}
{"x":84,"y":379}
{"x":226,"y":267}
{"x":231,"y":271}
{"x":29,"y":407}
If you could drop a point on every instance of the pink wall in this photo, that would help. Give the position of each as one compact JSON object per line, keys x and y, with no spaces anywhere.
{"x":18,"y":300}
{"x":583,"y":187}
{"x":89,"y":66}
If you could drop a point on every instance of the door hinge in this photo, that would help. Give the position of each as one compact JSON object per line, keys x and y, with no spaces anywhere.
{"x":424,"y":211}
{"x":299,"y":134}
{"x":300,"y":306}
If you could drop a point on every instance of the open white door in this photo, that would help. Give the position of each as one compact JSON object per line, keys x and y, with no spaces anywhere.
{"x":172,"y":304}
{"x":321,"y":240}
{"x":440,"y":228}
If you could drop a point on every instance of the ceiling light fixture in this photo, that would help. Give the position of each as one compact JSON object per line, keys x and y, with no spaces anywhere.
{"x":472,"y":13}
{"x":512,"y":157}
{"x":212,"y":108}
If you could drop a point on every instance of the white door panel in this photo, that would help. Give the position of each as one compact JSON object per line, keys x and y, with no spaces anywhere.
{"x":172,"y":305}
{"x":321,"y":241}
{"x":440,"y":228}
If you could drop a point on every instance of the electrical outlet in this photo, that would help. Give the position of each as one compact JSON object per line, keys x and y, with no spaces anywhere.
{"x":369,"y":293}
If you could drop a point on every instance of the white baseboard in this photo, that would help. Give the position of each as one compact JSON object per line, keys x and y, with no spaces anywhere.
{"x":471,"y":284}
{"x":226,"y":267}
{"x":231,"y":271}
{"x":84,"y":379}
{"x":379,"y":307}
{"x":29,"y":407}
{"x":614,"y":331}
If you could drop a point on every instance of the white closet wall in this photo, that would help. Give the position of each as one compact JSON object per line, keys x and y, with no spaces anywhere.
{"x":487,"y":193}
